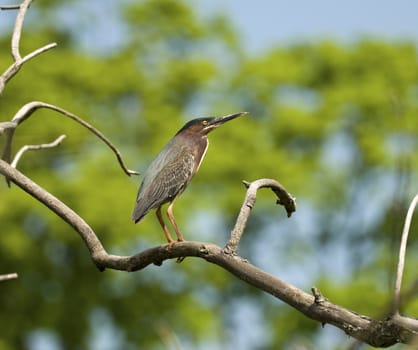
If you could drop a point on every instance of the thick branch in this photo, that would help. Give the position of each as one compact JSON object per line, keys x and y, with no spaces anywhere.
{"x":56,"y":206}
{"x":374,"y":332}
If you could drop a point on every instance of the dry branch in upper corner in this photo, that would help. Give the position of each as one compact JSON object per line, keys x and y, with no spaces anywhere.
{"x":19,"y":61}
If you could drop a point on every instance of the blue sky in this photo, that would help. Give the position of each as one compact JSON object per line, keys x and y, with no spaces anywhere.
{"x":265,"y":22}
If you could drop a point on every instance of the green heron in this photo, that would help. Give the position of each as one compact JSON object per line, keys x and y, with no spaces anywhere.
{"x":172,"y":170}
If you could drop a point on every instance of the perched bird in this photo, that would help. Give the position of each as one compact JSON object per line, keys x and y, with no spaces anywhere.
{"x":171,"y":171}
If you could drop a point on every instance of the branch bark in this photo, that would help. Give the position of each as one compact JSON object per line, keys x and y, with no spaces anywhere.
{"x":379,"y":333}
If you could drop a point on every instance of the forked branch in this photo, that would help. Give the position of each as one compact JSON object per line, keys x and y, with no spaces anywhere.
{"x":283,"y":198}
{"x":28,"y":109}
{"x":15,"y":45}
{"x":375,"y":332}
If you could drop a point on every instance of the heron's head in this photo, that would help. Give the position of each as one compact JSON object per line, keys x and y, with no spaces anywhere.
{"x":203,"y":126}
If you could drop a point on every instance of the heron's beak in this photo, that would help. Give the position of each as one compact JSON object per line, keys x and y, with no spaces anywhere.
{"x":214,"y":123}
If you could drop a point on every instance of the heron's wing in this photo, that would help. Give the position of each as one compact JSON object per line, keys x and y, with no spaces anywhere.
{"x":166,"y":177}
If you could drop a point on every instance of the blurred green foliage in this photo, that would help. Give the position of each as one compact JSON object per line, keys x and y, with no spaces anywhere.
{"x":335,"y":124}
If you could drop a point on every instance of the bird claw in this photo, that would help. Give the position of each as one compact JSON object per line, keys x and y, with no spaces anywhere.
{"x":171,"y":244}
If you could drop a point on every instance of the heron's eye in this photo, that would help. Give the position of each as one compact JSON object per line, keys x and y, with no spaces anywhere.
{"x":204,"y":122}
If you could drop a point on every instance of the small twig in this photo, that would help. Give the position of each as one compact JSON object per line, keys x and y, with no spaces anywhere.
{"x":284,"y":198}
{"x":7,"y":277}
{"x":28,"y":109}
{"x":402,"y":253}
{"x":34,"y":148}
{"x":15,"y":67}
{"x":9,"y":7}
{"x":38,"y":52}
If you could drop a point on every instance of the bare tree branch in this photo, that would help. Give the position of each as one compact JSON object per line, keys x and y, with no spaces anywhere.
{"x":6,"y":125}
{"x":380,"y":333}
{"x":9,"y":7}
{"x":28,"y":109}
{"x":25,"y":148}
{"x":8,"y":277}
{"x":402,"y":253}
{"x":55,"y":205}
{"x":15,"y":44}
{"x":284,"y":198}
{"x":17,"y":30}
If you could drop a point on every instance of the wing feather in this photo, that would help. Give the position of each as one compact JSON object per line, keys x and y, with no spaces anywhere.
{"x":166,"y":177}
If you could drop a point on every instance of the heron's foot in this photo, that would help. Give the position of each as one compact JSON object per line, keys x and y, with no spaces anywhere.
{"x":170,"y":244}
{"x":180,"y":237}
{"x":181,"y":258}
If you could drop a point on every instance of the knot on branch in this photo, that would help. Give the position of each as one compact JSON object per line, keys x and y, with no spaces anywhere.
{"x":319,"y":298}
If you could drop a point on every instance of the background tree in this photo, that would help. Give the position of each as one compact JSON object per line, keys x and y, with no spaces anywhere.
{"x":336,"y":123}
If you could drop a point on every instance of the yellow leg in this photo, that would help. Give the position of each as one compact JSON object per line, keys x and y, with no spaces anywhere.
{"x":167,"y":235}
{"x":173,"y":222}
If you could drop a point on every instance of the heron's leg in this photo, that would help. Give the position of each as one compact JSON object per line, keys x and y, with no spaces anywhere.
{"x":173,"y":222}
{"x":163,"y":225}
